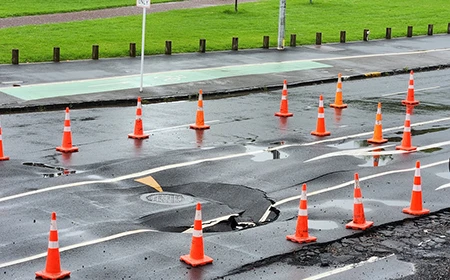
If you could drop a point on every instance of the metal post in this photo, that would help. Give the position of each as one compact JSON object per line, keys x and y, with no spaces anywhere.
{"x":293,"y":41}
{"x":342,"y":37}
{"x":281,"y":24}
{"x":388,"y":33}
{"x":144,"y":14}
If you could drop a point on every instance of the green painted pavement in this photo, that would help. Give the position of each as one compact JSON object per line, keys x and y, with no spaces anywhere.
{"x":61,"y":89}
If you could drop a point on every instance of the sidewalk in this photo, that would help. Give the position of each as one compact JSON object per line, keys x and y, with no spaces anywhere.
{"x":89,"y":83}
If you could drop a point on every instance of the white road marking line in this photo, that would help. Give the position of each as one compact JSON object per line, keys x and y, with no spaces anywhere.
{"x":74,"y":246}
{"x":212,"y":222}
{"x":360,"y":134}
{"x":248,"y":65}
{"x":347,"y":267}
{"x":353,"y":152}
{"x":189,"y":163}
{"x":109,"y":84}
{"x":366,"y":152}
{"x":404,"y":92}
{"x":443,"y":187}
{"x":176,"y":127}
{"x":345,"y":184}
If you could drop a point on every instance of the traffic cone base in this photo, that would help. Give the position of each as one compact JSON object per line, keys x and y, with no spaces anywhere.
{"x":46,"y":275}
{"x":4,"y":158}
{"x":362,"y":226}
{"x":411,"y":103}
{"x":199,"y":127}
{"x":408,"y":210}
{"x":286,"y":115}
{"x":316,"y":133}
{"x":67,"y":150}
{"x":300,"y":240}
{"x":377,"y":141}
{"x":196,"y":262}
{"x":138,"y":136}
{"x":338,"y":106}
{"x":404,"y":148}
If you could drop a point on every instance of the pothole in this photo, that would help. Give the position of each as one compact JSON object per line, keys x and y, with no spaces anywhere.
{"x":60,"y":171}
{"x":225,"y":207}
{"x":267,"y":153}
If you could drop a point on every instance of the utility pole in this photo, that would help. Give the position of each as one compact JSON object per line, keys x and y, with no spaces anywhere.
{"x":281,"y":24}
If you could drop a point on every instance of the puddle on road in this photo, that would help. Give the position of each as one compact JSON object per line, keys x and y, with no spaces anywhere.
{"x":354,"y":144}
{"x":375,"y":160}
{"x":445,"y":175}
{"x":61,"y":170}
{"x":322,"y":224}
{"x":268,"y":153}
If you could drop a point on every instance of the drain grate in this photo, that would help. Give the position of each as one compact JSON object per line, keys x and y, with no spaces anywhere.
{"x":167,"y":198}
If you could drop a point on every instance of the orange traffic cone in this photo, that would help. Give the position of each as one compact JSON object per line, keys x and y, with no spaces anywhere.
{"x":284,"y":111}
{"x":301,"y":232}
{"x":359,"y":220}
{"x":66,"y":146}
{"x":197,"y":256}
{"x":338,"y":103}
{"x":200,"y":118}
{"x":378,"y":129}
{"x":320,"y":128}
{"x":2,"y":157}
{"x":406,"y":140}
{"x":138,"y":126}
{"x":416,"y":198}
{"x":410,"y":96}
{"x":53,"y":264}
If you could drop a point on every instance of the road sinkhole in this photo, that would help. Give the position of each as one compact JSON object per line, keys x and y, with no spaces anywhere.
{"x":225,"y":207}
{"x":59,"y":171}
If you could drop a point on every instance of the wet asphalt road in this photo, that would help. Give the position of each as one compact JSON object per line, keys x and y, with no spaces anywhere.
{"x":227,"y":168}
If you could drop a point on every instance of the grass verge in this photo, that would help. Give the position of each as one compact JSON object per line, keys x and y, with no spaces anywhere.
{"x":219,"y":24}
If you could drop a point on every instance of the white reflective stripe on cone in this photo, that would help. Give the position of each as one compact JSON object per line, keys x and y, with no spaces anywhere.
{"x":198,"y":215}
{"x":357,"y":200}
{"x":67,"y":116}
{"x":321,"y":115}
{"x":302,"y":212}
{"x":408,"y":117}
{"x":320,"y":103}
{"x":417,"y":188}
{"x":407,"y":129}
{"x":378,"y":122}
{"x":417,"y":172}
{"x":197,"y":233}
{"x":52,"y":225}
{"x":53,"y":244}
{"x":67,"y":128}
{"x":283,"y":97}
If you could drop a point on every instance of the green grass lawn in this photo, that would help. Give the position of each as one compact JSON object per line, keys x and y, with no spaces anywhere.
{"x":13,"y":8}
{"x":219,"y":24}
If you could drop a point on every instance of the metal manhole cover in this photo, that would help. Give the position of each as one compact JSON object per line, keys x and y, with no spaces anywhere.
{"x":166,"y":198}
